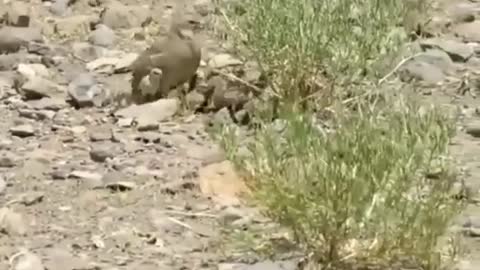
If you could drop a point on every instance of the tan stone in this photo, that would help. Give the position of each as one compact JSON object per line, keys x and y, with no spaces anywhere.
{"x":222,"y":183}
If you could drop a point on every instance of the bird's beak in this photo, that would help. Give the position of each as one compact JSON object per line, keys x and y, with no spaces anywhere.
{"x":189,"y":33}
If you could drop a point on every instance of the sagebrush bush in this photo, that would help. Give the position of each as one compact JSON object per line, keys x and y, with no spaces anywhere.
{"x":359,"y":192}
{"x":300,"y":41}
{"x":365,"y":182}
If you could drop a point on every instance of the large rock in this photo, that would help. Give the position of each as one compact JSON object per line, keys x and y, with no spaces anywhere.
{"x":461,"y":12}
{"x":458,"y":51}
{"x":18,"y":14}
{"x":157,"y":111}
{"x":266,"y":265}
{"x":111,"y":65}
{"x":223,"y":60}
{"x":12,"y":223}
{"x":13,"y":38}
{"x":431,"y":66}
{"x":28,"y":261}
{"x":221,"y":182}
{"x":469,"y":32}
{"x":119,"y":16}
{"x":37,"y":87}
{"x":33,"y":70}
{"x":77,"y":25}
{"x":84,"y":91}
{"x":102,"y":36}
{"x":10,"y":61}
{"x":86,"y":51}
{"x":7,"y":85}
{"x":60,"y":7}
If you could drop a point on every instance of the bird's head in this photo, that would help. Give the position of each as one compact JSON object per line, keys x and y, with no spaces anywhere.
{"x":185,"y":23}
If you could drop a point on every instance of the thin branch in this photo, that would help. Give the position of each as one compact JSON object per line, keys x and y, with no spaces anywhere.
{"x":399,"y":65}
{"x":190,"y":214}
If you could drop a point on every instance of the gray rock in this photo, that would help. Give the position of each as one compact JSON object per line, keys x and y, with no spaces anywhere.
{"x":230,"y":214}
{"x":471,"y":227}
{"x":98,"y":135}
{"x":421,"y":71}
{"x":3,"y":186}
{"x":73,"y":25}
{"x":37,"y":87}
{"x":28,"y":261}
{"x":10,"y":61}
{"x":115,"y":182}
{"x":22,"y":131}
{"x":100,"y":153}
{"x":162,"y":223}
{"x":194,"y":100}
{"x":469,"y":32}
{"x":60,"y":258}
{"x":102,"y":36}
{"x":125,"y":62}
{"x":7,"y":85}
{"x":12,"y":223}
{"x":96,"y":3}
{"x":458,"y":51}
{"x":125,"y":122}
{"x":119,"y":16}
{"x":86,"y":51}
{"x":461,"y":12}
{"x":207,"y":155}
{"x":85,"y":91}
{"x":7,"y":160}
{"x":43,"y":49}
{"x":17,"y":14}
{"x":436,"y":58}
{"x":146,"y":123}
{"x":85,"y":175}
{"x":467,"y":264}
{"x":473,"y":130}
{"x":158,"y":111}
{"x":231,"y":98}
{"x":33,"y":70}
{"x":105,"y":65}
{"x":253,"y":72}
{"x":223,"y":60}
{"x":59,"y":174}
{"x":203,"y":7}
{"x":60,"y":7}
{"x":431,"y":66}
{"x":222,"y":117}
{"x":71,"y":71}
{"x":53,"y":104}
{"x":13,"y":38}
{"x":267,"y":265}
{"x":36,"y":115}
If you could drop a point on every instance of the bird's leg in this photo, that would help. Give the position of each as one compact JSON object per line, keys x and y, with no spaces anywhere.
{"x":163,"y":88}
{"x":150,"y":98}
{"x":193,"y":82}
{"x":136,"y":95}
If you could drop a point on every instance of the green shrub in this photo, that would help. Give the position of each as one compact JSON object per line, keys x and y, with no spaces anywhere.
{"x":360,"y":192}
{"x":365,"y":182}
{"x":298,"y":42}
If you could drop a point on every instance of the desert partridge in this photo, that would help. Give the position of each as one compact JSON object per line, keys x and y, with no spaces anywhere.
{"x":177,"y":55}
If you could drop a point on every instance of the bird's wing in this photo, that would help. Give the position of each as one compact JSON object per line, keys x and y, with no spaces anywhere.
{"x":158,"y":60}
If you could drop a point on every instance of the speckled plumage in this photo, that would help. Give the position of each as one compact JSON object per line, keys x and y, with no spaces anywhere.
{"x":177,"y":55}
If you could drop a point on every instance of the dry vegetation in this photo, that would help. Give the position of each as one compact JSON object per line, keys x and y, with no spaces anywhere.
{"x":358,"y":186}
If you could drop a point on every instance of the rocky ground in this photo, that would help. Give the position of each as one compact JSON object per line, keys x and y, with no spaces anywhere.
{"x":143,"y":188}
